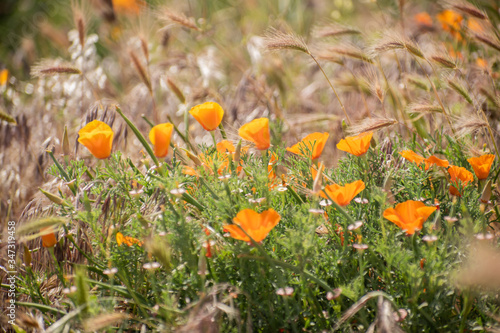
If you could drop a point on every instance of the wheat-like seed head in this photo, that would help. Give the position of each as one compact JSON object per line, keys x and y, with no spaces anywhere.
{"x":141,"y":70}
{"x":50,"y":67}
{"x":488,"y":40}
{"x":334,"y":30}
{"x":350,"y":51}
{"x":178,"y":18}
{"x":468,"y":8}
{"x":370,"y":124}
{"x":444,"y":61}
{"x":470,"y":124}
{"x":275,"y":40}
{"x":424,"y":108}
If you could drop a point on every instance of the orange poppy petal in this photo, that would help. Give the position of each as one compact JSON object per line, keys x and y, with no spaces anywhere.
{"x":312,"y":145}
{"x":48,"y":237}
{"x":482,"y":165}
{"x":411,"y":156}
{"x":256,"y":225}
{"x":208,"y":114}
{"x":409,"y":215}
{"x":257,"y":131}
{"x":97,"y":137}
{"x":356,"y":145}
{"x":160,"y":137}
{"x":433,"y":160}
{"x":225,"y":146}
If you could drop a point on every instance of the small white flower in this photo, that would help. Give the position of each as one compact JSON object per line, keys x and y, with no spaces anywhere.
{"x":325,"y":203}
{"x":287,"y":291}
{"x":110,"y":271}
{"x":356,"y":225}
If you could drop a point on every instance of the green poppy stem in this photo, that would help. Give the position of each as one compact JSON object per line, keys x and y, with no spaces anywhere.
{"x":222,"y":131}
{"x":213,"y":138}
{"x":138,"y":135}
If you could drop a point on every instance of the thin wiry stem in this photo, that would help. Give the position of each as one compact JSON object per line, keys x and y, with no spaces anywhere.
{"x":480,"y":111}
{"x":331,"y":86}
{"x":436,"y":94}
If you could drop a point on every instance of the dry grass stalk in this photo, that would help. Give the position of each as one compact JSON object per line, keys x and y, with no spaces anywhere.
{"x":488,"y":40}
{"x":470,"y":124}
{"x":374,"y":84}
{"x":418,"y":82}
{"x":335,"y":30}
{"x":278,"y":40}
{"x":394,"y":42}
{"x":351,"y":52}
{"x":48,"y":68}
{"x":459,"y":88}
{"x":275,"y":40}
{"x":175,"y":89}
{"x":469,"y":9}
{"x":102,"y":321}
{"x":180,"y":19}
{"x":144,"y":48}
{"x":370,"y":124}
{"x":78,"y":18}
{"x":490,"y":96}
{"x":424,"y":108}
{"x":444,"y":61}
{"x":355,"y":308}
{"x":141,"y":71}
{"x":325,"y":55}
{"x":385,"y":45}
{"x":7,"y":117}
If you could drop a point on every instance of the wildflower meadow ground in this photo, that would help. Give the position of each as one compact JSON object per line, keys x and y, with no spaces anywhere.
{"x":250,"y":166}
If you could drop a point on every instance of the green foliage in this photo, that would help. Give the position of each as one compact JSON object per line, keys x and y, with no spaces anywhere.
{"x":196,"y":257}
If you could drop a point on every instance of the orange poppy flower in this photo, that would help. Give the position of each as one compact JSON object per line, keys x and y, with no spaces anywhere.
{"x":312,"y":145}
{"x":356,"y":145}
{"x":97,"y":137}
{"x":450,"y":21}
{"x":475,"y":25}
{"x":423,"y":19}
{"x":482,"y":165}
{"x":433,"y":160}
{"x":459,"y":174}
{"x":482,"y":63}
{"x":189,"y":171}
{"x":160,"y":137}
{"x":255,"y":225}
{"x":208,"y":114}
{"x":411,"y":156}
{"x":257,"y":131}
{"x":343,"y":195}
{"x":409,"y":215}
{"x":127,"y":240}
{"x":225,"y":146}
{"x":127,"y":6}
{"x":4,"y":76}
{"x":48,"y":237}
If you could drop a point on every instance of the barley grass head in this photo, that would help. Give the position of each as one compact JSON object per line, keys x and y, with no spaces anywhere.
{"x":50,"y":67}
{"x":178,"y":18}
{"x":469,"y":9}
{"x":369,"y":125}
{"x":275,"y":40}
{"x":470,"y":124}
{"x":488,"y":40}
{"x":334,"y":30}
